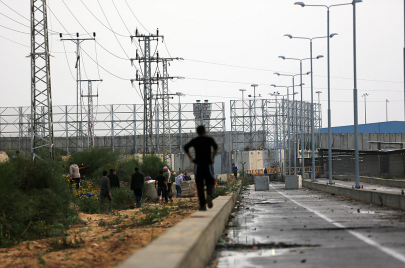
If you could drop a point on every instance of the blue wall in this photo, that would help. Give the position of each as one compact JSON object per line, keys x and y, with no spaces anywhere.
{"x":383,"y":127}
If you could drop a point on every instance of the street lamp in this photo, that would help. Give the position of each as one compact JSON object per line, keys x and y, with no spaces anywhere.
{"x":356,"y":142}
{"x":386,"y":110}
{"x":243,"y":115}
{"x":294,"y":134}
{"x":319,"y":96}
{"x":288,"y":127}
{"x":180,"y":136}
{"x":276,"y":94}
{"x":302,"y":128}
{"x":365,"y":107}
{"x":312,"y":98}
{"x":254,"y":112}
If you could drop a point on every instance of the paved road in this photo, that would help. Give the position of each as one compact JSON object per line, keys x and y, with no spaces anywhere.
{"x":368,"y":186}
{"x":312,"y":229}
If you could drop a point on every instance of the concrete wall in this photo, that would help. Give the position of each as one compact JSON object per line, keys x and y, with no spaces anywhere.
{"x":346,"y":140}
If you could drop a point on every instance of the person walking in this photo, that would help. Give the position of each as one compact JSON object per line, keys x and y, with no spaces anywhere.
{"x":235,"y":171}
{"x":74,"y":174}
{"x":203,"y":165}
{"x":186,"y":177}
{"x":114,"y":180}
{"x":161,"y":185}
{"x":179,"y":180}
{"x":137,"y":186}
{"x":168,"y":176}
{"x":105,"y":191}
{"x":83,"y":173}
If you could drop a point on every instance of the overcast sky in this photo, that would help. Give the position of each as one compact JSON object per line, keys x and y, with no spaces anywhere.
{"x":228,"y":32}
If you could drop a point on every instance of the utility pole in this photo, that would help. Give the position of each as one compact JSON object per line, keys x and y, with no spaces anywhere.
{"x":147,"y":80}
{"x":386,"y":110}
{"x":41,"y":97}
{"x":166,"y":139}
{"x":90,"y":110}
{"x":365,"y":107}
{"x":79,"y":124}
{"x":319,"y":96}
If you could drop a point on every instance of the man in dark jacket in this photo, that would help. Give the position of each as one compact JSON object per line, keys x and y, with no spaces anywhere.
{"x":104,"y":190}
{"x":114,"y":181}
{"x":137,"y":186}
{"x":203,"y":165}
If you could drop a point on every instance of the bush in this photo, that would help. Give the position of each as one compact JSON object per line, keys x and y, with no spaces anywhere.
{"x":122,"y":198}
{"x":36,"y":200}
{"x":151,"y":164}
{"x":99,"y":159}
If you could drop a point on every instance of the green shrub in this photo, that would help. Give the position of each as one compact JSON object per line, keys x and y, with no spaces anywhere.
{"x":122,"y":198}
{"x":151,"y":164}
{"x":99,"y":159}
{"x":36,"y":200}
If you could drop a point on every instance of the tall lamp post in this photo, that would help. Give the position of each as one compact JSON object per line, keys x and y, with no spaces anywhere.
{"x":312,"y":98}
{"x":319,"y":96}
{"x":301,"y":115}
{"x":294,"y":116}
{"x":354,"y":93}
{"x":254,"y":112}
{"x":365,"y":107}
{"x":386,"y":110}
{"x":278,"y":159}
{"x":288,"y":128}
{"x":243,"y":116}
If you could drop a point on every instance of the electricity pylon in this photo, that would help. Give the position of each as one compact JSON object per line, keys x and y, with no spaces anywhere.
{"x":41,"y":97}
{"x":90,"y":110}
{"x":79,"y":124}
{"x":147,"y":80}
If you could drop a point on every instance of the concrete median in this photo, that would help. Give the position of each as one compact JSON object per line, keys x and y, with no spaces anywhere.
{"x":380,"y":198}
{"x":189,"y":243}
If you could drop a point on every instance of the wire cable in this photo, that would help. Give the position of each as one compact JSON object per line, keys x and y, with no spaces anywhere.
{"x":17,"y":31}
{"x":98,"y":68}
{"x":102,"y":22}
{"x":164,"y":42}
{"x":76,"y":18}
{"x":67,"y":61}
{"x":135,"y":16}
{"x":111,"y":52}
{"x":14,"y":10}
{"x":14,"y":42}
{"x":111,"y":28}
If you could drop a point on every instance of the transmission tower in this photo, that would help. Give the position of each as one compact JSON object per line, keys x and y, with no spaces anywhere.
{"x":147,"y":80}
{"x":41,"y":98}
{"x":166,"y":143}
{"x":79,"y":120}
{"x":90,"y":110}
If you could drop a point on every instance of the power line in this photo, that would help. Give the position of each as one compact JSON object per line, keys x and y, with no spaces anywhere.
{"x":14,"y":10}
{"x":135,"y":16}
{"x":111,"y":28}
{"x":17,"y":31}
{"x":268,"y":70}
{"x":14,"y":41}
{"x":76,"y":18}
{"x":67,"y":61}
{"x":101,"y":22}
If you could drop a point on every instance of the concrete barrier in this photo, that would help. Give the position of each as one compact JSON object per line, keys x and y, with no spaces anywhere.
{"x":189,"y":243}
{"x":293,"y":182}
{"x":379,"y":198}
{"x":149,"y":189}
{"x":385,"y":182}
{"x":261,"y":183}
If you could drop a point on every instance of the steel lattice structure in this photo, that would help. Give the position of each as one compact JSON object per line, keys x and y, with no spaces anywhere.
{"x":41,"y":99}
{"x":119,"y":127}
{"x":277,"y":122}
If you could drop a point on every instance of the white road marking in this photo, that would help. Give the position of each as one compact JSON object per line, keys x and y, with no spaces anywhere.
{"x":363,"y":238}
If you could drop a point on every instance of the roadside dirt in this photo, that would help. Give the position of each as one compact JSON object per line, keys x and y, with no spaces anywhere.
{"x":104,"y":241}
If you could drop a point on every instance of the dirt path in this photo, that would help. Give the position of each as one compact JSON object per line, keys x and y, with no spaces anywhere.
{"x":104,"y":241}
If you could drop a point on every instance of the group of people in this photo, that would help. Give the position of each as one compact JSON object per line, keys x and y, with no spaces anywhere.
{"x":203,"y":170}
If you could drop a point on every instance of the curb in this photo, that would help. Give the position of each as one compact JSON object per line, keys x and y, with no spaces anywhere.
{"x":385,"y":182}
{"x":379,"y":198}
{"x":189,"y":243}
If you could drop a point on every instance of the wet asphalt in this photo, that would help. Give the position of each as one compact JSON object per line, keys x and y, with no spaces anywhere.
{"x":367,"y":186}
{"x":307,"y":228}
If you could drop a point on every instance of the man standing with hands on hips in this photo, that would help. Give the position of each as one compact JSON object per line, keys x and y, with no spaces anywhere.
{"x":203,"y":165}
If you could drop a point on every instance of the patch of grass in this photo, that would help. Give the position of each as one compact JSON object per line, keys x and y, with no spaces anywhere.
{"x":389,"y":177}
{"x":40,"y":259}
{"x":157,"y":215}
{"x":105,"y":237}
{"x":102,"y":222}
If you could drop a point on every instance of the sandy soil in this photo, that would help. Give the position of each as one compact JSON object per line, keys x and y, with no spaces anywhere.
{"x":95,"y":246}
